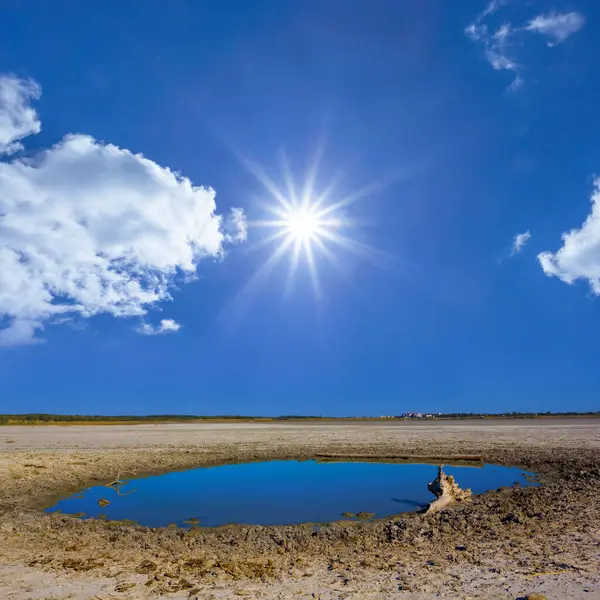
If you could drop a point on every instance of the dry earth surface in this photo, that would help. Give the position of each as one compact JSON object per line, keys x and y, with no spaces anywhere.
{"x":503,"y":544}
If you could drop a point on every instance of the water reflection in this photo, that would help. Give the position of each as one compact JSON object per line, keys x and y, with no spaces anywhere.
{"x":276,"y":493}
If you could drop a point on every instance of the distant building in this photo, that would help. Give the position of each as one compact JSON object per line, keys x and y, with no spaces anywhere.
{"x":416,"y":415}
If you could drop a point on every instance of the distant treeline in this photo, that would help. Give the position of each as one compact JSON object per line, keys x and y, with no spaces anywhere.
{"x":33,"y":418}
{"x":50,"y":418}
{"x":516,"y":415}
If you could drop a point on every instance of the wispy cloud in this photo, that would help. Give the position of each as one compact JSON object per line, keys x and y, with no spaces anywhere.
{"x":519,"y":242}
{"x":17,"y":118}
{"x":501,"y":42}
{"x":496,"y":44}
{"x":235,"y":226}
{"x":558,"y":26}
{"x":88,"y":227}
{"x":491,"y":7}
{"x":165,"y":326}
{"x":579,"y":256}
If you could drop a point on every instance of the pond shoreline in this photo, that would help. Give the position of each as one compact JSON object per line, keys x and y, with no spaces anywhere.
{"x":285,"y":492}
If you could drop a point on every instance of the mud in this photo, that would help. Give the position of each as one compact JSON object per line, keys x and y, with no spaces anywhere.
{"x":533,"y":532}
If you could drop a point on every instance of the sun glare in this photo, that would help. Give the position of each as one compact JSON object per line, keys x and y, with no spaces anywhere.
{"x":302,"y":224}
{"x":307,"y":224}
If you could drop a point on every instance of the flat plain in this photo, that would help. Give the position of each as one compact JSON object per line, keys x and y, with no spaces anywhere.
{"x":503,"y":544}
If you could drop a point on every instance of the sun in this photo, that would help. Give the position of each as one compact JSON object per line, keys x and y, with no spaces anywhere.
{"x":302,"y":224}
{"x":309,"y":224}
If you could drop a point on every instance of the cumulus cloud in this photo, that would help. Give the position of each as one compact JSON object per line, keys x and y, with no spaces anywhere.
{"x":520,"y":240}
{"x":579,"y":256}
{"x":502,"y":41}
{"x":17,"y":118}
{"x":87,"y":227}
{"x":166,"y":326}
{"x":556,"y":25}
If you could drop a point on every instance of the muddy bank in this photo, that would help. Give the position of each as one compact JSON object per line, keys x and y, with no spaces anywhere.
{"x":535,"y":530}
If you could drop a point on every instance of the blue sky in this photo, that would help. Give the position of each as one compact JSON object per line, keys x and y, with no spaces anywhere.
{"x":137,"y":284}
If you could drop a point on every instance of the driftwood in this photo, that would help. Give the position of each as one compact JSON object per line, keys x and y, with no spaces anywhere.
{"x":118,"y":482}
{"x":446,"y":491}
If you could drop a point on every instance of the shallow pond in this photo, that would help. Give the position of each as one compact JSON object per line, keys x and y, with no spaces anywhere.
{"x":277,"y":492}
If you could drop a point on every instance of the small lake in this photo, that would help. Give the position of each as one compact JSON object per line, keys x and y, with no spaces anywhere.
{"x":277,"y":492}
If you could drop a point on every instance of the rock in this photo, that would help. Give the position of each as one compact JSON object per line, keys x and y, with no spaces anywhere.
{"x":364,"y":516}
{"x":516,"y":517}
{"x":533,"y":597}
{"x":446,"y":490}
{"x":103,"y":502}
{"x":124,"y":586}
{"x":146,"y":567}
{"x":395,"y":531}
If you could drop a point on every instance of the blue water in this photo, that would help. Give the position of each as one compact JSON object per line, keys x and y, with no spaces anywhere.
{"x":278,"y":492}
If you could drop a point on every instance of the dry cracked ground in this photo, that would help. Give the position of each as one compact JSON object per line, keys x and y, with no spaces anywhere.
{"x":507,"y":543}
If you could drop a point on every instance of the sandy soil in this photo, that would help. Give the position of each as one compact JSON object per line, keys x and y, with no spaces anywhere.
{"x":503,"y":544}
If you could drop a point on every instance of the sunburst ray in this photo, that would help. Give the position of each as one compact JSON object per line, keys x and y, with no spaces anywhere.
{"x":309,"y":225}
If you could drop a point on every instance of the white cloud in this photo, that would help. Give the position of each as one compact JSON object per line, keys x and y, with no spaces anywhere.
{"x":235,"y":226}
{"x":20,"y":331}
{"x":166,"y":326}
{"x":579,"y":257}
{"x":520,"y":240}
{"x":490,"y":9}
{"x":17,"y":118}
{"x":501,"y":46}
{"x":500,"y":61}
{"x":503,"y":32}
{"x":557,"y":25}
{"x":88,"y":227}
{"x":496,"y":45}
